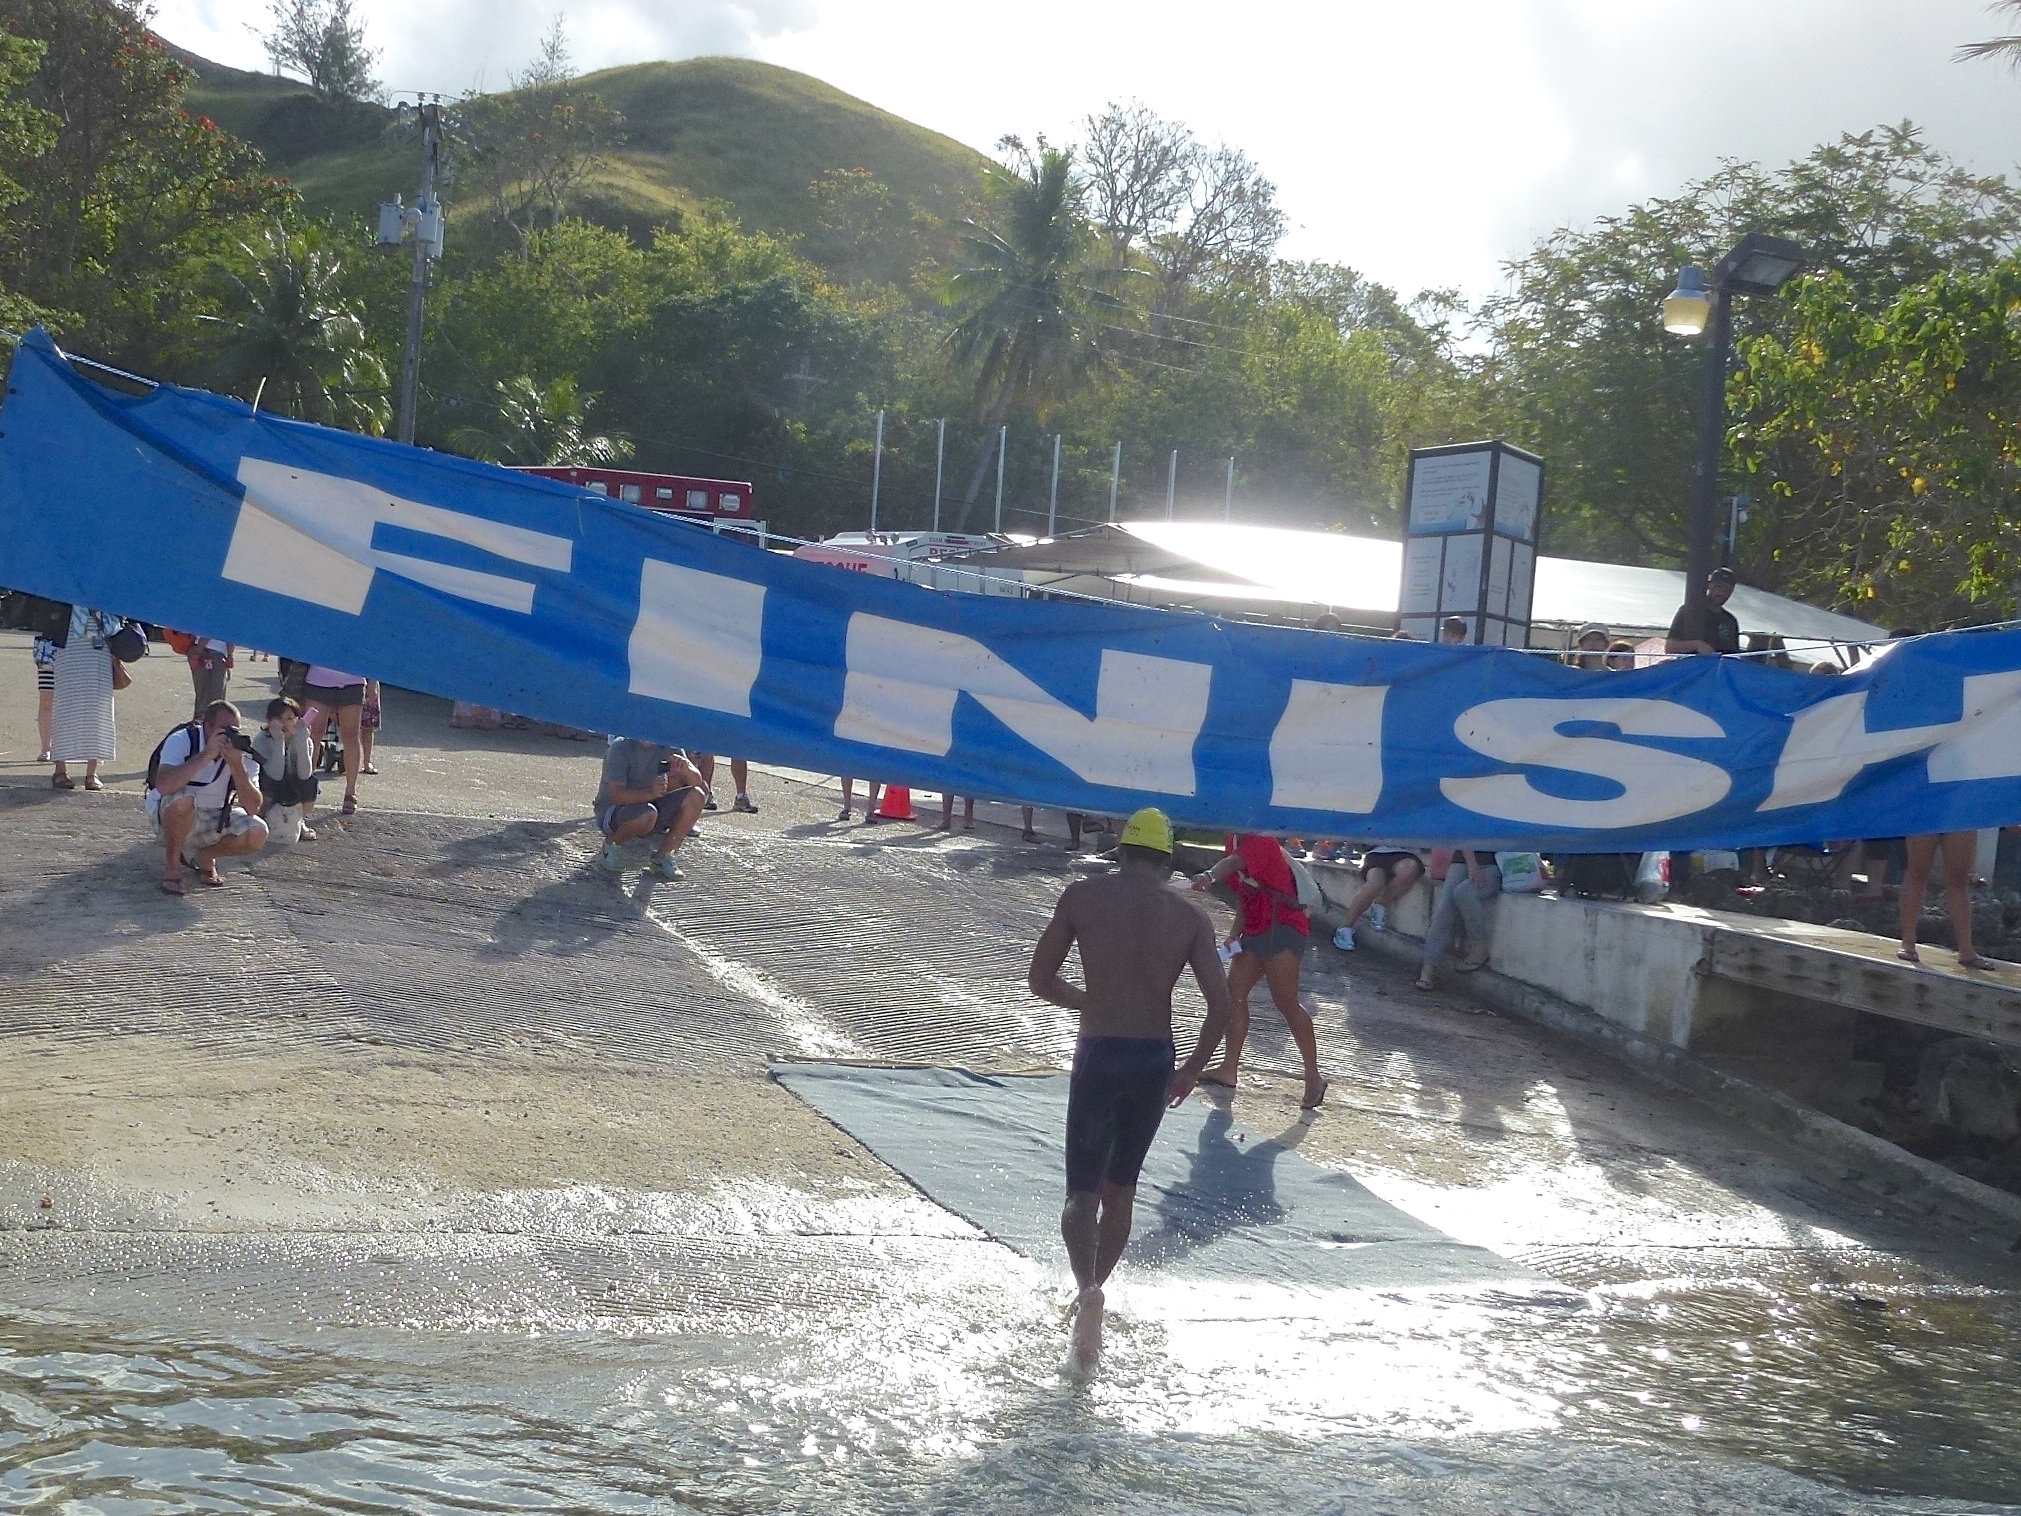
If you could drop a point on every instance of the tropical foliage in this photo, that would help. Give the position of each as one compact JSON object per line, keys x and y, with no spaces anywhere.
{"x":1127,"y":288}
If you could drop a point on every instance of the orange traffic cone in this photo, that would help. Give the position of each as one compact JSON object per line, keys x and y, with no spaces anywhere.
{"x":896,"y":804}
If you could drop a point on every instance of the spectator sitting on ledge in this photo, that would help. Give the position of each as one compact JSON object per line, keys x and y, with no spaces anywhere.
{"x":200,"y":793}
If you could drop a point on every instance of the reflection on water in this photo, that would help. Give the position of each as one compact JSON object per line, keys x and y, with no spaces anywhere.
{"x":940,"y":1393}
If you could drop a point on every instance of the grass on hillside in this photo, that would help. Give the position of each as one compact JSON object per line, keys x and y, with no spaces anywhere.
{"x":731,"y":129}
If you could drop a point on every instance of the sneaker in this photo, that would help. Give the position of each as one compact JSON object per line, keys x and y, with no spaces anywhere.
{"x":664,"y":867}
{"x":612,"y":859}
{"x":709,"y":804}
{"x":847,"y":815}
{"x":1378,"y":918}
{"x":743,"y":803}
{"x":1344,"y":939}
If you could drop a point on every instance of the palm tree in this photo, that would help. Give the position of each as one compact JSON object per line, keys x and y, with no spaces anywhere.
{"x":537,"y":426}
{"x":296,"y":342}
{"x":1030,"y":302}
{"x":2006,"y":49}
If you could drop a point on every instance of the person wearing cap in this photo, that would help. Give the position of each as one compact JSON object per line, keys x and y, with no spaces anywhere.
{"x":1453,"y":630}
{"x":1589,"y":648}
{"x":1136,"y":936}
{"x":1716,"y":631}
{"x":1620,"y":656}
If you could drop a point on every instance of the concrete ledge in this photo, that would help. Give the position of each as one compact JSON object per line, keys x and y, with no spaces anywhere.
{"x":1991,"y":1216}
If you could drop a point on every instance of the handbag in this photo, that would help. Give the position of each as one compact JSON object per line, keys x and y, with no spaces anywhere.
{"x":120,"y":677}
{"x":48,"y":619}
{"x":128,"y":644}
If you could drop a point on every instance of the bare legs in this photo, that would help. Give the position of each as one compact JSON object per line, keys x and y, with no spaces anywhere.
{"x":1281,"y":973}
{"x":849,"y":797}
{"x":354,"y":762}
{"x":1095,"y":1228}
{"x":45,"y":720}
{"x":1958,"y":849}
{"x":178,"y":819}
{"x":1377,"y":883}
{"x":947,"y":812}
{"x":642,"y":825}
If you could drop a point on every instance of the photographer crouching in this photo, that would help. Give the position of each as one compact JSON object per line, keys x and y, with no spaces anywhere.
{"x":201,"y":796}
{"x":648,"y":790}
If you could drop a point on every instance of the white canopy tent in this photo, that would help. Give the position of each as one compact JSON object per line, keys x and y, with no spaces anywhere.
{"x":1276,"y":571}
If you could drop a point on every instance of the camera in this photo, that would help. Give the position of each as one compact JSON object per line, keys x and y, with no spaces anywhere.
{"x":666,"y":765}
{"x":238,"y":739}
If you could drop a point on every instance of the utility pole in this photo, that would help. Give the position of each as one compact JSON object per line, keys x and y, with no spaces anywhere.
{"x":1115,"y":478}
{"x":876,"y":472}
{"x":1002,"y":442}
{"x":939,"y":468}
{"x":1228,"y":496}
{"x":1171,"y":483}
{"x":1053,"y":500}
{"x":423,"y":222}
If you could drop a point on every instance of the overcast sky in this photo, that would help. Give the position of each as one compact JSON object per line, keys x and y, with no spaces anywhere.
{"x":1423,"y":143}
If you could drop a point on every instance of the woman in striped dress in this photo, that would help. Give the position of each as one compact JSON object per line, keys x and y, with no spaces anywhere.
{"x":45,"y":693}
{"x":84,"y":731}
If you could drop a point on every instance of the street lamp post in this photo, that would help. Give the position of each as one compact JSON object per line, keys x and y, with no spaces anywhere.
{"x":1757,"y":265}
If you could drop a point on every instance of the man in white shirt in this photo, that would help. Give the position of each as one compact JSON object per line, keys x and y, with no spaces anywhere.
{"x":202,"y":796}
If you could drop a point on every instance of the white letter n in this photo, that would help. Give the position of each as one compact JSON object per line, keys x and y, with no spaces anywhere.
{"x":903,"y":682}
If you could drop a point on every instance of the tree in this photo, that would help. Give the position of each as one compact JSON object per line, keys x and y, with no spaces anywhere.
{"x":532,"y":149}
{"x":541,"y":425}
{"x":1886,"y":437}
{"x":129,"y":196}
{"x":1028,"y":306}
{"x":2005,"y":50}
{"x":321,"y":41}
{"x":26,"y":132}
{"x":295,"y":342}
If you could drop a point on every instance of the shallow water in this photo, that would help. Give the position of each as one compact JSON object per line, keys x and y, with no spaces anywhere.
{"x":920,"y":1374}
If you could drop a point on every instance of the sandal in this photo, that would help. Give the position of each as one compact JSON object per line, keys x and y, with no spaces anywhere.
{"x":1909,"y":955}
{"x":350,"y":805}
{"x":368,"y":769}
{"x":1975,"y":961}
{"x":173,"y":886}
{"x":94,"y":783}
{"x":1424,"y":982}
{"x":62,"y":782}
{"x":212,"y":877}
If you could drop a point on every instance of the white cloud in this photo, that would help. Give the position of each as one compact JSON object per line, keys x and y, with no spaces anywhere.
{"x":1423,"y":143}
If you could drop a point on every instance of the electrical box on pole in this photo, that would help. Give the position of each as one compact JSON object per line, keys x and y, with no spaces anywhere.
{"x":423,"y":224}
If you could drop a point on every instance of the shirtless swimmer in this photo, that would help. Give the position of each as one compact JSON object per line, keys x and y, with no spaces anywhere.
{"x":1137,"y":935}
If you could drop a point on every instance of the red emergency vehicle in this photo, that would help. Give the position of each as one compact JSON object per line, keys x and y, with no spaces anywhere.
{"x":713,"y":499}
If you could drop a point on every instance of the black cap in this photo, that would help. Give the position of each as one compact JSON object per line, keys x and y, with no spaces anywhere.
{"x":1720,"y":576}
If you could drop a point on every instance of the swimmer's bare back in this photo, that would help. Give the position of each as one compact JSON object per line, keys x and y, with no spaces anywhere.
{"x":1137,"y":935}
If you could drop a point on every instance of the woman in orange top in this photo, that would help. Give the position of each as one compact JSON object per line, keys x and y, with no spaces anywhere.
{"x":1275,"y":931}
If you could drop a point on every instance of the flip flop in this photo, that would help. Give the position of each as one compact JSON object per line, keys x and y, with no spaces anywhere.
{"x":1425,"y":983}
{"x":1909,"y":955}
{"x":212,"y":878}
{"x":1974,"y":962}
{"x":174,"y":886}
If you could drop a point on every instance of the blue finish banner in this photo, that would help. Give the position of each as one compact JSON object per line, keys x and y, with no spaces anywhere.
{"x":451,"y":577}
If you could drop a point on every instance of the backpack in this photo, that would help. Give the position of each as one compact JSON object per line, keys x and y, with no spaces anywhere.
{"x":179,"y":643}
{"x":196,"y":745}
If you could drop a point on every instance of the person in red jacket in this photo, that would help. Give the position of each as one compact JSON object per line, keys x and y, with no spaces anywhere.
{"x":1275,"y":931}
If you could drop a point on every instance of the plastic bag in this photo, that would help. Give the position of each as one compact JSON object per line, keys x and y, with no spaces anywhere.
{"x":1522,"y":873}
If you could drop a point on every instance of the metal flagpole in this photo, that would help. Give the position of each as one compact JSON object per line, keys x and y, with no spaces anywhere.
{"x":939,"y":467}
{"x":1002,"y":442}
{"x":1053,"y":500}
{"x":877,"y":471}
{"x":1228,"y":497}
{"x":1171,"y":483}
{"x":1115,"y":477}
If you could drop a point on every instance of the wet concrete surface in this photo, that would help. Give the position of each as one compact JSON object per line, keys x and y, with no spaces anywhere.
{"x":425,"y":1167}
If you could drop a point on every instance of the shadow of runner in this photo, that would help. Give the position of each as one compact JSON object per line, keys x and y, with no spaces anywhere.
{"x":1230,"y":1184}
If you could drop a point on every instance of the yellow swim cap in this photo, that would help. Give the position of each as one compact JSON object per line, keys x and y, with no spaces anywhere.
{"x":1150,"y":828}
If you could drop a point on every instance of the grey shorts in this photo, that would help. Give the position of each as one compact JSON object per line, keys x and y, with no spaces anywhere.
{"x":1281,"y":938}
{"x":611,"y":817}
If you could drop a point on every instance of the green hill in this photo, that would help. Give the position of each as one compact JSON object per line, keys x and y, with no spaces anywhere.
{"x":746,"y":133}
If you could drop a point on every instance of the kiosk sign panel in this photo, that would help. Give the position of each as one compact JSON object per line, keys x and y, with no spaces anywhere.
{"x":1470,"y":541}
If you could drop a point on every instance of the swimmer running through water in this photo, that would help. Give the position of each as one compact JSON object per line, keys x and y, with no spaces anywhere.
{"x":1137,"y":936}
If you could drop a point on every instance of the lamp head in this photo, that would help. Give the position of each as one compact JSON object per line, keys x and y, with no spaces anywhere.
{"x":1688,"y":307}
{"x":1760,"y":264}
